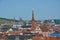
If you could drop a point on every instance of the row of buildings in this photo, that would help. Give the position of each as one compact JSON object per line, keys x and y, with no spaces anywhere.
{"x":30,"y":30}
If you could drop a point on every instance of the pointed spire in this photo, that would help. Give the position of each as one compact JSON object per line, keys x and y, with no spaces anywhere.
{"x":33,"y":20}
{"x":32,"y":14}
{"x":33,"y":26}
{"x":20,"y":19}
{"x":14,"y":19}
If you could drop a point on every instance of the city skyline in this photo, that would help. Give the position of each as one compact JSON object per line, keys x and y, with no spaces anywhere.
{"x":43,"y":9}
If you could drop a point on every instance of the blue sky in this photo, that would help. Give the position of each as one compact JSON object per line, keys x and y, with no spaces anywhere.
{"x":43,"y":9}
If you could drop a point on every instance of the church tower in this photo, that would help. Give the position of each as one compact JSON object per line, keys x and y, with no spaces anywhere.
{"x":34,"y":27}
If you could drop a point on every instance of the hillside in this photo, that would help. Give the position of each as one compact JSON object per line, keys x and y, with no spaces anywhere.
{"x":7,"y":20}
{"x":57,"y":21}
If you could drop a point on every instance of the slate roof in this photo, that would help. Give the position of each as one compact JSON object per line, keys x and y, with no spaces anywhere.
{"x":55,"y":34}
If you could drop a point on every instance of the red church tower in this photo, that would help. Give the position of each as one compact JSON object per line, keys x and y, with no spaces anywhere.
{"x":34,"y":27}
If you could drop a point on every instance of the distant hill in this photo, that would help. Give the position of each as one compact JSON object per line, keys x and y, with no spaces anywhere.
{"x":7,"y":20}
{"x":57,"y":21}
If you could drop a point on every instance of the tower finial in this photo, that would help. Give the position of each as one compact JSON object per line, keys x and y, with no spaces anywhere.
{"x":32,"y":8}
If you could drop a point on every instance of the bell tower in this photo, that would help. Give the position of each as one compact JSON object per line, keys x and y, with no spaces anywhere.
{"x":34,"y":27}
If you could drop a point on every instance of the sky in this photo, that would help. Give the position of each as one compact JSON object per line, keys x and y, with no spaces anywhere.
{"x":43,"y":9}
